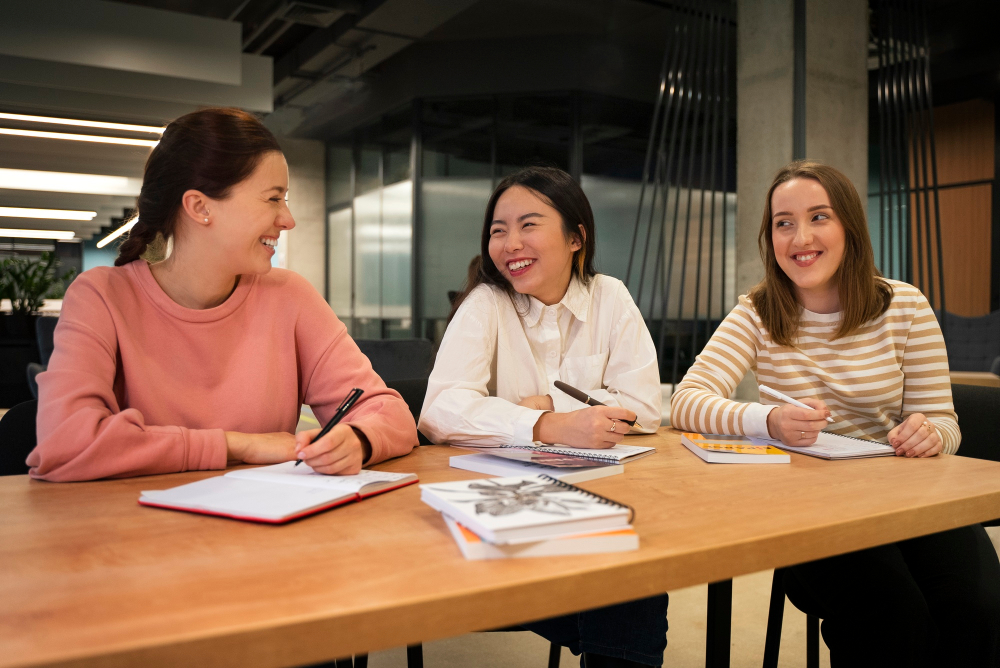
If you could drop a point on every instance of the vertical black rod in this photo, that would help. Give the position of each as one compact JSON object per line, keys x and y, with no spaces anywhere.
{"x":897,"y":147}
{"x":912,"y":131}
{"x":881,"y":139}
{"x":416,"y":252}
{"x":725,"y":164}
{"x":673,"y":81}
{"x":664,"y":69}
{"x":682,"y":87}
{"x":697,"y":123}
{"x":934,"y":175}
{"x":890,"y":145}
{"x":708,"y":93}
{"x":663,"y":169}
{"x":904,"y":160}
{"x":717,"y":85}
{"x":686,"y":131}
{"x":921,"y":119}
{"x":719,"y":624}
{"x":575,"y":137}
{"x":799,"y":80}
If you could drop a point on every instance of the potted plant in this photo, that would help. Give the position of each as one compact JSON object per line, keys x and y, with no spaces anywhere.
{"x":26,"y":282}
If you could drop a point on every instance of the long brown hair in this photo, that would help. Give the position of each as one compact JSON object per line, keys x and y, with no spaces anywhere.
{"x":864,"y":294}
{"x":562,"y":193}
{"x":210,"y":150}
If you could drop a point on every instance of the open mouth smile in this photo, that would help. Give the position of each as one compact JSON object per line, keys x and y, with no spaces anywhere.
{"x":519,"y":267}
{"x":807,"y":258}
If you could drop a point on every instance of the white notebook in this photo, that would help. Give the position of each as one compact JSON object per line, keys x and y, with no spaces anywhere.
{"x":502,"y":466}
{"x":835,"y":446}
{"x":619,"y":454}
{"x":525,"y":508}
{"x":274,"y":494}
{"x":473,"y":547}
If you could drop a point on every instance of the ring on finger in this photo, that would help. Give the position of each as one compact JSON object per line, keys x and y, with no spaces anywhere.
{"x":614,"y":423}
{"x":927,"y":424}
{"x":802,"y":435}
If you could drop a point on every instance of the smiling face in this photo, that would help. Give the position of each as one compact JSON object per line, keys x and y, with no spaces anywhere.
{"x":529,"y":246}
{"x":808,"y":241}
{"x":246,"y":224}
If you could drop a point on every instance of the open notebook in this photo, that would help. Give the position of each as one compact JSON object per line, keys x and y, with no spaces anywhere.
{"x":835,"y":446}
{"x":619,"y":454}
{"x":274,"y":494}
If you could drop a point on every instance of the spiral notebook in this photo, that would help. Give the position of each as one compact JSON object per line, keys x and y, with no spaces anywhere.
{"x":619,"y":454}
{"x":835,"y":446}
{"x":524,"y":509}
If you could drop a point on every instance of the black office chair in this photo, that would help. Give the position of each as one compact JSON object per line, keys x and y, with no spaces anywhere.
{"x":775,"y":617}
{"x":45,"y":328}
{"x":978,"y":410}
{"x":17,"y":437}
{"x":399,"y":359}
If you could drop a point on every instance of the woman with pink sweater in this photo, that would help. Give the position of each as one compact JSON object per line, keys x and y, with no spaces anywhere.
{"x":206,"y":357}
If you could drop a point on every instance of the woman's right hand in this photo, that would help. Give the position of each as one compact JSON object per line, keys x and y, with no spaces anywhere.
{"x":798,"y":426}
{"x":272,"y":448}
{"x":586,"y":428}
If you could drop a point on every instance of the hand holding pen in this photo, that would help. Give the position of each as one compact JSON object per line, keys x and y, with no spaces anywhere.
{"x":343,"y":452}
{"x":587,"y":399}
{"x":797,"y":423}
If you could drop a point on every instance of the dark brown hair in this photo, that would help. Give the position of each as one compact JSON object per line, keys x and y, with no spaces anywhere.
{"x":864,"y":295}
{"x":210,"y":150}
{"x":556,"y":188}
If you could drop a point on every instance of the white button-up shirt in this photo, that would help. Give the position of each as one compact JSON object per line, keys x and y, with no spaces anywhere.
{"x":497,"y":352}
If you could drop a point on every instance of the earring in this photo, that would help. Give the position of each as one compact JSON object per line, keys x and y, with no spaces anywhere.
{"x":206,"y":216}
{"x":206,"y":220}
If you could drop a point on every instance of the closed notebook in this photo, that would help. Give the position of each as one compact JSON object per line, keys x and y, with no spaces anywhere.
{"x":474,"y":548}
{"x":835,"y":446}
{"x":718,"y":449}
{"x":525,"y":508}
{"x":274,"y":494}
{"x":503,"y":466}
{"x":619,"y":454}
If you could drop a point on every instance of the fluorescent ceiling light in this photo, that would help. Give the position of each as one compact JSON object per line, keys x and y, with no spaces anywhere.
{"x":124,"y":127}
{"x":99,"y":139}
{"x":117,"y":233}
{"x":37,"y":234}
{"x":49,"y":214}
{"x":65,"y":182}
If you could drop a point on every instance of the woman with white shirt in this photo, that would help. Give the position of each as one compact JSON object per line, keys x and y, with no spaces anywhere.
{"x":536,"y":312}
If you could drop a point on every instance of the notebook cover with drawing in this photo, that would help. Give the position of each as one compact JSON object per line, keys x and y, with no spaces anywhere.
{"x":525,"y":508}
{"x":274,"y":494}
{"x":717,"y":449}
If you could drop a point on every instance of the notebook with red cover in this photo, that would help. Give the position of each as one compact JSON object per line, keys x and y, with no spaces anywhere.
{"x":274,"y":494}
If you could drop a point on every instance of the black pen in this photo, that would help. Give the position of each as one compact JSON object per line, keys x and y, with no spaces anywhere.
{"x":345,"y":406}
{"x":587,"y":399}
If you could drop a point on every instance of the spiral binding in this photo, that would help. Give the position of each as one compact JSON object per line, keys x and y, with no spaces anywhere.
{"x":600,"y":499}
{"x":558,"y":451}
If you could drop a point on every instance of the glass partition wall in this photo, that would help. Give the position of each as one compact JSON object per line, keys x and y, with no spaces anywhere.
{"x":406,"y":197}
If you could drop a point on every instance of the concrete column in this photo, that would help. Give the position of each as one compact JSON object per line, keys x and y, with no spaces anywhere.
{"x":836,"y":96}
{"x":305,"y":245}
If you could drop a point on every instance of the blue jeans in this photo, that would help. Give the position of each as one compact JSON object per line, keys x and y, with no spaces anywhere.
{"x":636,"y":630}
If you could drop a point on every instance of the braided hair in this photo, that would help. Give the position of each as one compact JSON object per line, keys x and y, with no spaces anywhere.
{"x":210,"y":150}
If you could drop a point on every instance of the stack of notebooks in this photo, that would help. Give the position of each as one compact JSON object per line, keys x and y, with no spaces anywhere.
{"x":530,"y":516}
{"x":562,"y":462}
{"x":274,"y":494}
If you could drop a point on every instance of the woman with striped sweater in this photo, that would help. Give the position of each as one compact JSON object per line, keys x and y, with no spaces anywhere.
{"x":825,"y":328}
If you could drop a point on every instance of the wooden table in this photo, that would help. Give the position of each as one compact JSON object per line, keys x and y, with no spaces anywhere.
{"x":90,"y":578}
{"x":975,"y":378}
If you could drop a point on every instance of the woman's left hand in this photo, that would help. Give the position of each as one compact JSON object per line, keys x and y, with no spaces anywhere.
{"x":915,"y":437}
{"x":341,"y":452}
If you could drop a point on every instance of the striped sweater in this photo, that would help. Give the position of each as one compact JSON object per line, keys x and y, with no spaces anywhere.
{"x":895,"y":365}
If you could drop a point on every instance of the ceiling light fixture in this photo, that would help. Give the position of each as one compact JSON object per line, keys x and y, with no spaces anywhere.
{"x":48,"y":214}
{"x":98,"y":139}
{"x":123,"y":127}
{"x":66,"y":182}
{"x":117,"y":233}
{"x":36,"y":234}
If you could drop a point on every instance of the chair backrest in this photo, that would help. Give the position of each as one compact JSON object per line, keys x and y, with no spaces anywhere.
{"x":45,"y":328}
{"x":399,"y":359}
{"x":978,"y":409}
{"x":973,"y":343}
{"x":34,"y":369}
{"x":17,"y":437}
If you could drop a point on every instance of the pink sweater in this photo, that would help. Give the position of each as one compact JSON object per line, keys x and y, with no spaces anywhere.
{"x":139,"y":385}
